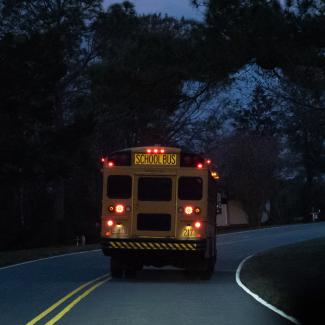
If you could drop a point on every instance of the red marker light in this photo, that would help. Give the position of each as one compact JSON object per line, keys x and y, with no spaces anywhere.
{"x":197,"y":225}
{"x":199,"y":165}
{"x":103,"y":160}
{"x":148,"y":150}
{"x":110,"y":164}
{"x":188,"y":210}
{"x":119,"y":208}
{"x":209,"y":161}
{"x":197,"y":210}
{"x":155,"y":150}
{"x":162,"y":150}
{"x":110,"y":223}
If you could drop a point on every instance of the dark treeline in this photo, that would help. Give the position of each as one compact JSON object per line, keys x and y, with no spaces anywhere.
{"x":78,"y":81}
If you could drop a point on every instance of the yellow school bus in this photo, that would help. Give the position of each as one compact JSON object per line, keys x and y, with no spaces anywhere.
{"x":158,"y":208}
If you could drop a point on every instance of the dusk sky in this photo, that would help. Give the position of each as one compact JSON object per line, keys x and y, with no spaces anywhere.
{"x":176,"y":8}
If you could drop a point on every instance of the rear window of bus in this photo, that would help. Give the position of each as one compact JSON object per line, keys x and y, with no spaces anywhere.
{"x":154,"y":189}
{"x":119,"y":187}
{"x":190,"y":188}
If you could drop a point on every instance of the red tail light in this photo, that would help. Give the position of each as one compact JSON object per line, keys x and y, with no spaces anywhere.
{"x":188,"y":210}
{"x":119,"y":208}
{"x":110,"y":164}
{"x":110,"y":223}
{"x":197,"y":225}
{"x":199,"y":165}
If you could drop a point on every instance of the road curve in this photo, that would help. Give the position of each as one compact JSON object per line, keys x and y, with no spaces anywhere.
{"x":157,"y":296}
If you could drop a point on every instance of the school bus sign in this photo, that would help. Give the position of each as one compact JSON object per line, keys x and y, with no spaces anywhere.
{"x":163,"y":159}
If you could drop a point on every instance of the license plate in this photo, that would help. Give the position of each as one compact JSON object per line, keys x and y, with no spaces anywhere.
{"x":164,"y":159}
{"x":118,"y":230}
{"x":188,"y":232}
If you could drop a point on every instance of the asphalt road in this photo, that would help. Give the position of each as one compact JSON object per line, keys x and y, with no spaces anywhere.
{"x":156,"y":296}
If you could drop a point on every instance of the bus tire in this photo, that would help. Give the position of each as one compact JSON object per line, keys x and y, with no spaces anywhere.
{"x":116,"y":268}
{"x":105,"y":252}
{"x":130,"y":273}
{"x":208,"y":269}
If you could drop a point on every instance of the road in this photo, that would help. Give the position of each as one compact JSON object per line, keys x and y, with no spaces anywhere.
{"x":156,"y":296}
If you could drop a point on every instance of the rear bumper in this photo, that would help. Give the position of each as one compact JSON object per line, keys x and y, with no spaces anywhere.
{"x":144,"y":246}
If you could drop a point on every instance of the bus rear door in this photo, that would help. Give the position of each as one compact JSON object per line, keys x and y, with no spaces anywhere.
{"x":154,"y":203}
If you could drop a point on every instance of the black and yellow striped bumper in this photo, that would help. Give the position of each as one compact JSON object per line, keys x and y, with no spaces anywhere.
{"x":146,"y":245}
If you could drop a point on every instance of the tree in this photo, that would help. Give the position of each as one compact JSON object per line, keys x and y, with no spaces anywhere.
{"x":139,"y":80}
{"x":248,"y":165}
{"x":260,"y":117}
{"x":45,"y":47}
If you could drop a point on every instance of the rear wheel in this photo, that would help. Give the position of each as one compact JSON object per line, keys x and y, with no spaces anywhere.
{"x":208,"y":268}
{"x":116,"y":268}
{"x":130,"y":273}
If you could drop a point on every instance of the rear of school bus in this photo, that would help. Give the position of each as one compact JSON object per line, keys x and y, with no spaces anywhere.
{"x":158,"y":209}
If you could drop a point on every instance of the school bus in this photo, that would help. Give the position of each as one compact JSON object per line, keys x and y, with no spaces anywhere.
{"x":158,"y":208}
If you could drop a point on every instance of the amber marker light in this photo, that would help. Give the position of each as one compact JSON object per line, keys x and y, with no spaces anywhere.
{"x":110,"y":223}
{"x":215,"y":175}
{"x":119,"y":208}
{"x":188,"y":210}
{"x":197,"y":225}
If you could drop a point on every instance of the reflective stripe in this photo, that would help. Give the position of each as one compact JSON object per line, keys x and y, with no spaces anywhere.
{"x":139,"y":245}
{"x":184,"y":246}
{"x":153,"y":245}
{"x":145,"y":245}
{"x":190,"y":246}
{"x":114,"y":245}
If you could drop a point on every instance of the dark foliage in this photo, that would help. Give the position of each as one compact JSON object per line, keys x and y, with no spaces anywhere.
{"x":78,"y":81}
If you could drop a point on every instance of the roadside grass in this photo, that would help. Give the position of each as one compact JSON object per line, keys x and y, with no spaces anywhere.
{"x":19,"y":256}
{"x":292,"y":278}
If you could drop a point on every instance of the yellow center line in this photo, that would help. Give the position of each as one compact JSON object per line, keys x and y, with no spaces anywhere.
{"x":62,"y":300}
{"x":74,"y":302}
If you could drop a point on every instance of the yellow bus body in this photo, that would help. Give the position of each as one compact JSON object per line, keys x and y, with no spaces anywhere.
{"x":158,"y":209}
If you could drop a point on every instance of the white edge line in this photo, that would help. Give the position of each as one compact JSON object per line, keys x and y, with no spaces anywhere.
{"x":48,"y":258}
{"x":258,"y":298}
